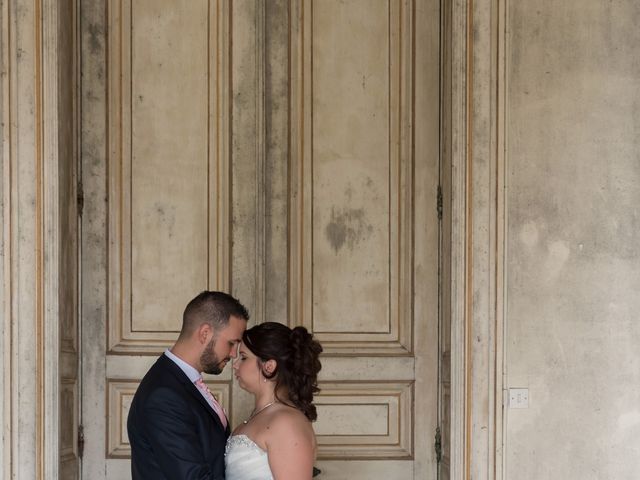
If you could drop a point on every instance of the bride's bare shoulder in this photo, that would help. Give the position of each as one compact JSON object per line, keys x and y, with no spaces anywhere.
{"x":287,"y":421}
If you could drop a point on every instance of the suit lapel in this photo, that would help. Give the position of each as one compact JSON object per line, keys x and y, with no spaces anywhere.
{"x":191,"y":388}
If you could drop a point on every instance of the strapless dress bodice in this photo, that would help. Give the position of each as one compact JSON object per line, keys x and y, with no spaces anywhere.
{"x":244,"y":460}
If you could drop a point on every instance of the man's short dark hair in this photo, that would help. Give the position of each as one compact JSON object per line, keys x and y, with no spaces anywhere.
{"x":212,"y":308}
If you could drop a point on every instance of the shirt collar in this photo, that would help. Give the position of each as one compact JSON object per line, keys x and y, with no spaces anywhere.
{"x":188,"y":370}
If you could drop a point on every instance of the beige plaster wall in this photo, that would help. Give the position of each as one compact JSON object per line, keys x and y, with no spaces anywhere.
{"x":572,"y":133}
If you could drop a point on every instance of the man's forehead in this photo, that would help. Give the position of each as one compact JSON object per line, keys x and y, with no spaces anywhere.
{"x":234,"y":329}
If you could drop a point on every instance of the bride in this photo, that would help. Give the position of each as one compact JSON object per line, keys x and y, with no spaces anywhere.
{"x":279,"y":366}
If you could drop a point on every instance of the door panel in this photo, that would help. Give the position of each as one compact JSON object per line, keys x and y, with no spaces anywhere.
{"x":349,"y":100}
{"x":166,"y":210}
{"x":352,"y":167}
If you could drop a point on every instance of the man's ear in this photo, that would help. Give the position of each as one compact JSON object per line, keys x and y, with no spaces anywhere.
{"x":270,"y":366}
{"x":203,"y":332}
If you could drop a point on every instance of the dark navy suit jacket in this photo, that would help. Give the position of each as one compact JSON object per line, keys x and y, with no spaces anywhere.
{"x":174,"y":433}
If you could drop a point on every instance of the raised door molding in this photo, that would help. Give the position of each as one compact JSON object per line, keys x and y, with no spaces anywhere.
{"x":168,"y":170}
{"x":365,"y":420}
{"x":351,"y":211}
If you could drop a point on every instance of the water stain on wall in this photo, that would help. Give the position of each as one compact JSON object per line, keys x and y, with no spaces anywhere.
{"x":347,"y":227}
{"x":165,"y":215}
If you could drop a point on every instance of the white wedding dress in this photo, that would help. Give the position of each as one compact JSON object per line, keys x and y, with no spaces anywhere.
{"x":244,"y":460}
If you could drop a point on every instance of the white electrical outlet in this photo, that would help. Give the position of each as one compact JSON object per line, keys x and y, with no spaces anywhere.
{"x":518,"y":398}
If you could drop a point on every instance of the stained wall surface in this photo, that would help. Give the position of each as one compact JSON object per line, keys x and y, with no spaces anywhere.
{"x":573,"y":238}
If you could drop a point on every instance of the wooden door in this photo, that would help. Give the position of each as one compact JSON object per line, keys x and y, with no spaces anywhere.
{"x":286,"y":151}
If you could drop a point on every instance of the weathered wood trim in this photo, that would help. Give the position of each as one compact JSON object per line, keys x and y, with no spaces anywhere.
{"x":49,"y":219}
{"x":459,"y":281}
{"x":478,"y":222}
{"x":7,"y":160}
{"x":31,"y":244}
{"x":259,"y":314}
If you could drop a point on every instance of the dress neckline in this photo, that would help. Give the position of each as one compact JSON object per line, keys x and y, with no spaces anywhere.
{"x":246,"y":440}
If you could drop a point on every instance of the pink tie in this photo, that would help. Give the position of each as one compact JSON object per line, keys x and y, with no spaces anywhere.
{"x":212,"y":401}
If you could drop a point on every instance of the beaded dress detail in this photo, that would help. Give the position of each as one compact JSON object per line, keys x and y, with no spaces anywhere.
{"x":244,"y":460}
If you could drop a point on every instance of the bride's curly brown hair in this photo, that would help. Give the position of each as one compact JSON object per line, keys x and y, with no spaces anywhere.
{"x":296,"y":353}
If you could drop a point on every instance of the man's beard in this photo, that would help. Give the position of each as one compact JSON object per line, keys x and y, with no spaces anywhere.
{"x":209,"y":361}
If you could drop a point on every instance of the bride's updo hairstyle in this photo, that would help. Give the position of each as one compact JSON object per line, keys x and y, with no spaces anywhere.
{"x":297,"y":365}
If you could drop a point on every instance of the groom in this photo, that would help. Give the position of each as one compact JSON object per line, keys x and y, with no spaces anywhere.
{"x":177,"y":429}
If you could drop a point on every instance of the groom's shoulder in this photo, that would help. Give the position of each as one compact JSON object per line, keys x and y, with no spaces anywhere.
{"x":163,"y":373}
{"x":161,"y":383}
